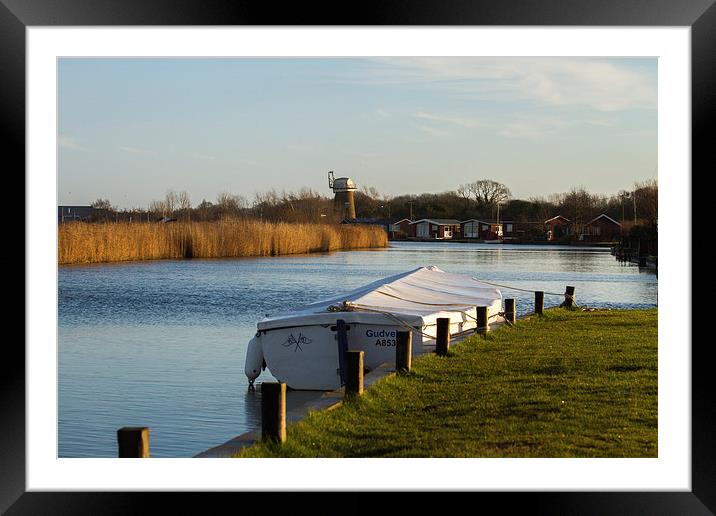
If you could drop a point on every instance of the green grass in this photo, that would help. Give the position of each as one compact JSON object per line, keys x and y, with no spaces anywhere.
{"x":569,"y":384}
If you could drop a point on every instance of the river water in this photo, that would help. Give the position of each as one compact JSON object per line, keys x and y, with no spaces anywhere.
{"x":162,"y":343}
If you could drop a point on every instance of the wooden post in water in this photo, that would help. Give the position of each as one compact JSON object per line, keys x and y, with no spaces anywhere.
{"x":403,"y":351}
{"x":273,"y":411}
{"x":510,"y":311}
{"x":442,"y":340}
{"x":539,"y":302}
{"x":354,"y":372}
{"x":482,"y":324}
{"x":133,"y":442}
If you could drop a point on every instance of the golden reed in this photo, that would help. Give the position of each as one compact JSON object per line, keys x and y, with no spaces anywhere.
{"x":80,"y":242}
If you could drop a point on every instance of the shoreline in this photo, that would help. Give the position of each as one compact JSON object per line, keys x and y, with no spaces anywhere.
{"x":510,"y":242}
{"x":571,"y":391}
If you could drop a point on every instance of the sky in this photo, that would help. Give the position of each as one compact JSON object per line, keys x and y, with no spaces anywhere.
{"x":130,"y":129}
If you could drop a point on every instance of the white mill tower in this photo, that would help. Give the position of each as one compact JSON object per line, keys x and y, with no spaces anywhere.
{"x":343,"y":203}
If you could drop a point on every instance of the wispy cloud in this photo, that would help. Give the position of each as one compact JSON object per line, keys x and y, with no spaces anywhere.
{"x":433,"y":131}
{"x":462,"y":122}
{"x":202,"y":157}
{"x":134,"y":150}
{"x":247,"y":162}
{"x":533,"y":128}
{"x":598,"y":84}
{"x":602,"y":122}
{"x":381,"y":113}
{"x":68,"y":142}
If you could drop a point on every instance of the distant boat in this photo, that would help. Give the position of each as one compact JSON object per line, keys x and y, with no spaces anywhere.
{"x":305,"y":347}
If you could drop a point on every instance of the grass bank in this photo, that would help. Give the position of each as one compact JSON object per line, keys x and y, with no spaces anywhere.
{"x":80,"y":242}
{"x":570,"y":384}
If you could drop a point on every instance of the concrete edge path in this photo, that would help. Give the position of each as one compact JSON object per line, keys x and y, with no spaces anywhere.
{"x":323,"y":401}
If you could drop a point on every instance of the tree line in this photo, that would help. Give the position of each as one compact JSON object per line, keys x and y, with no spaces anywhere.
{"x":481,"y":199}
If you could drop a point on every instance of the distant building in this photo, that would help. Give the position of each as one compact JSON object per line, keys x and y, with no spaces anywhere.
{"x":437,"y":229}
{"x":481,"y":229}
{"x":74,"y":213}
{"x":522,"y":231}
{"x":558,"y":227}
{"x":401,"y":229}
{"x":601,"y":228}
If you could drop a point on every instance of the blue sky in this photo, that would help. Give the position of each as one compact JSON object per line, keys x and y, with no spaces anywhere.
{"x":131,"y":129}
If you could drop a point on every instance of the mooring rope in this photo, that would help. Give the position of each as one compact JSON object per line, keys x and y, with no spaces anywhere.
{"x":419,"y":302}
{"x":565,"y":295}
{"x":520,"y":289}
{"x":348,"y":306}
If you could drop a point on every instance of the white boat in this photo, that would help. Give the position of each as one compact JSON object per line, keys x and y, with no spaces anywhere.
{"x":305,"y":347}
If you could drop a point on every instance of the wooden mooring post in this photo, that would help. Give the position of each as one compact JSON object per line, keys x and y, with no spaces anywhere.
{"x":482,"y":323}
{"x":342,"y":339}
{"x":273,"y":411}
{"x":539,"y":302}
{"x":442,"y":339}
{"x":133,"y":442}
{"x":510,"y":314}
{"x":569,"y":298}
{"x":403,"y":351}
{"x":354,"y":373}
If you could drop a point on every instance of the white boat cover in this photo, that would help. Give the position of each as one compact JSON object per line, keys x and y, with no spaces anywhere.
{"x":411,"y":295}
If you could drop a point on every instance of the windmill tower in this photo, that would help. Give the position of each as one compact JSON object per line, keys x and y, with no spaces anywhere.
{"x":343,"y":203}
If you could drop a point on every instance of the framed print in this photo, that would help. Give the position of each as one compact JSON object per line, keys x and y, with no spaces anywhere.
{"x":623,"y":64}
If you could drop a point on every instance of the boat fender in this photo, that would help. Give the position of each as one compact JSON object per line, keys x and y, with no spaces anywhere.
{"x":254,"y":359}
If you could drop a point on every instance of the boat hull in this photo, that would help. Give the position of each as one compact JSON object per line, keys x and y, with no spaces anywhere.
{"x":307,"y":357}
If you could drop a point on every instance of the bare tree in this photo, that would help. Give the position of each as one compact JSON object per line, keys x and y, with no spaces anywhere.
{"x":543,"y":209}
{"x":465,"y":192}
{"x":158,"y":208}
{"x":580,"y":206}
{"x":170,"y":203}
{"x":102,"y":210}
{"x":371,"y":191}
{"x":646,"y":200}
{"x":205,"y":210}
{"x":230,"y":205}
{"x":184,"y":200}
{"x":102,"y":204}
{"x":489,"y":192}
{"x":184,"y":203}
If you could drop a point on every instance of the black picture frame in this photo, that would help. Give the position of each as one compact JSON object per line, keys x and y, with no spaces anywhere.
{"x":699,"y":15}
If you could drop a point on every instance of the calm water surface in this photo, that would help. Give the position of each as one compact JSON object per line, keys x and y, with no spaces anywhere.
{"x":162,"y":344}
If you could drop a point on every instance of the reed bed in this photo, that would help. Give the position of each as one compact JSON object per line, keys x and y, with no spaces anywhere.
{"x":80,"y":242}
